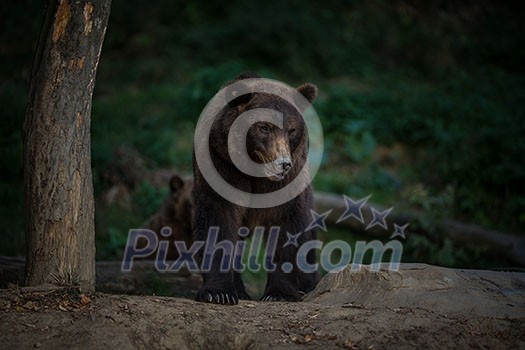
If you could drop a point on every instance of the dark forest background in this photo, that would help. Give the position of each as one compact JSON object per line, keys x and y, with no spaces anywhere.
{"x":422,"y":105}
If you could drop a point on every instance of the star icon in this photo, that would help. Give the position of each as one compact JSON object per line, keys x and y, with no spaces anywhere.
{"x":379,"y":218}
{"x":353,"y":209}
{"x":292,"y":239}
{"x":399,"y":231}
{"x":318,"y":220}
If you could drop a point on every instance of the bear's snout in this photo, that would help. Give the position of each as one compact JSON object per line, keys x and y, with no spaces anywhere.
{"x":281,"y":165}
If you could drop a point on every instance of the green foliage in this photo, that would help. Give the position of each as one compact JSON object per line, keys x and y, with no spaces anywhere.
{"x":148,"y":198}
{"x":12,"y":100}
{"x":111,"y":230}
{"x":114,"y":221}
{"x":443,"y":252}
{"x":465,"y":132}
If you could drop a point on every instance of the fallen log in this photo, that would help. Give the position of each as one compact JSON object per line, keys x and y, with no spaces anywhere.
{"x":500,"y":244}
{"x":142,"y":279}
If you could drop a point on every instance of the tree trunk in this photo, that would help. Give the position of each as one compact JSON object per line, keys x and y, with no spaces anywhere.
{"x":59,"y":209}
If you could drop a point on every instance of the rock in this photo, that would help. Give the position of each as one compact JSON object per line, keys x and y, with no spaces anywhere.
{"x":443,"y":290}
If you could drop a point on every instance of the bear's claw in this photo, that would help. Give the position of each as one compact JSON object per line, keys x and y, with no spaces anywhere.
{"x":217,"y":297}
{"x":280,"y":298}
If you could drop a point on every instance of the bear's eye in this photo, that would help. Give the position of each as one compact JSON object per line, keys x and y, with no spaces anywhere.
{"x":264,"y":128}
{"x":291,"y":131}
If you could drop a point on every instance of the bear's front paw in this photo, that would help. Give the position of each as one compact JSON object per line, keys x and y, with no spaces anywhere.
{"x":217,"y":296}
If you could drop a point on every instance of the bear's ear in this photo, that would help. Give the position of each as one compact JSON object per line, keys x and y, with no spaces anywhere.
{"x":309,"y":91}
{"x":233,"y":94}
{"x":176,"y":183}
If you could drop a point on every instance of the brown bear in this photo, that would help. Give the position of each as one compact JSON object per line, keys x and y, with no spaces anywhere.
{"x":175,"y":213}
{"x":286,"y":148}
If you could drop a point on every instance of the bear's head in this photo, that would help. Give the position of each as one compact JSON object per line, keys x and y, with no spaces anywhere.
{"x":175,"y":211}
{"x":282,"y":150}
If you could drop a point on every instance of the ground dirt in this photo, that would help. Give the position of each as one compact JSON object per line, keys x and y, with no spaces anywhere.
{"x":419,"y":306}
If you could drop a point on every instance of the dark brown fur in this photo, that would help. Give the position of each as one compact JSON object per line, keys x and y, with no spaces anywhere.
{"x":175,"y":213}
{"x":265,"y":143}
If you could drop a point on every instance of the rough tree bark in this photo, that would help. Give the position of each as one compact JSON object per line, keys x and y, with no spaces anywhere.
{"x":59,"y":209}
